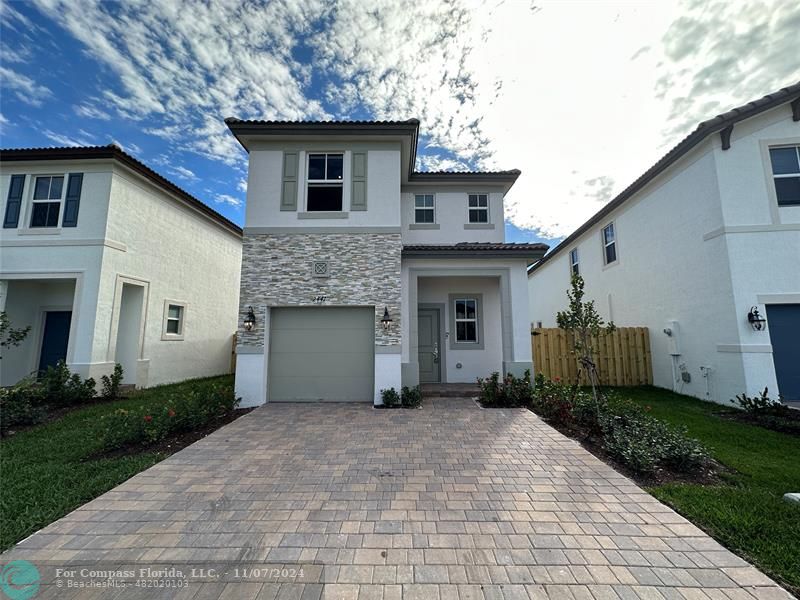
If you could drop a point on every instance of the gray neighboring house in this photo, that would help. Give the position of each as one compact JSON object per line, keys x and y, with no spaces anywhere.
{"x":360,"y":273}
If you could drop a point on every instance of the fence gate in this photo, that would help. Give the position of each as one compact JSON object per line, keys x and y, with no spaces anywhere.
{"x":622,"y":359}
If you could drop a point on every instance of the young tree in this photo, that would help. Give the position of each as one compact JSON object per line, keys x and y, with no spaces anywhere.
{"x":586,"y":327}
{"x":10,"y":337}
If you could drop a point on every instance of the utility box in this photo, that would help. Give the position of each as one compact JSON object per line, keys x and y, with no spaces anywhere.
{"x":673,"y":333}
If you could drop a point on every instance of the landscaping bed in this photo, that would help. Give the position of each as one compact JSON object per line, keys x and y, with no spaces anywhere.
{"x":50,"y":469}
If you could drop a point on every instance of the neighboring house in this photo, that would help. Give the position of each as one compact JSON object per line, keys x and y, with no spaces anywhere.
{"x":363,"y":274}
{"x":697,"y":244}
{"x":110,"y":262}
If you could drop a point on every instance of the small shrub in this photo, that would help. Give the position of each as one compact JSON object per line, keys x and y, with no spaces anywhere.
{"x":411,"y":397}
{"x":509,"y":392}
{"x":390,"y":397}
{"x":21,"y":404}
{"x":111,"y":383}
{"x":761,"y":404}
{"x":553,"y":400}
{"x":63,"y":388}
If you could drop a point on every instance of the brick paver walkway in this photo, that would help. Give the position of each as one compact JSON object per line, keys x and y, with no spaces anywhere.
{"x":449,"y":502}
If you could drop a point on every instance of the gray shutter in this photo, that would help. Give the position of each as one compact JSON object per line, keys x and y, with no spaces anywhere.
{"x":14,"y":202}
{"x":73,"y":200}
{"x":289,"y":187}
{"x":358,"y":200}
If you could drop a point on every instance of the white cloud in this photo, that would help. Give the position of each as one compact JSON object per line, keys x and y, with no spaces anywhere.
{"x":228,"y":199}
{"x":85,"y":139}
{"x":183,"y":173}
{"x":24,"y":88}
{"x":90,"y":111}
{"x":241,"y":185}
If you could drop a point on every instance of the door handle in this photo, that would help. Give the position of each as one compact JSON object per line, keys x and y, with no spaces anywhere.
{"x":436,"y":353}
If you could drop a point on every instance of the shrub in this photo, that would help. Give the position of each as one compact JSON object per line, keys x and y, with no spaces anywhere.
{"x":411,"y":397}
{"x":761,"y":404}
{"x":181,"y":410}
{"x":21,"y":404}
{"x":390,"y":397}
{"x":111,"y":383}
{"x":63,"y":388}
{"x":509,"y":392}
{"x":553,"y":400}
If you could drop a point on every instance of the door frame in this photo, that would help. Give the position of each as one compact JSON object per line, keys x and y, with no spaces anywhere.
{"x":43,"y":310}
{"x":441,"y":307}
{"x":111,"y":350}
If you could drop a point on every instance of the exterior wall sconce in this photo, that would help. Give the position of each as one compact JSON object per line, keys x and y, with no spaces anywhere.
{"x":250,"y":320}
{"x":386,"y":321}
{"x":757,"y":322}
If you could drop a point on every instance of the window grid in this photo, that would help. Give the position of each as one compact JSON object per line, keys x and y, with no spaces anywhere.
{"x":424,"y":209}
{"x":609,"y":243}
{"x":46,"y":204}
{"x":785,"y":162}
{"x":478,"y":206}
{"x":325,"y":176}
{"x":175,"y":319}
{"x":573,"y":262}
{"x":466,"y":320}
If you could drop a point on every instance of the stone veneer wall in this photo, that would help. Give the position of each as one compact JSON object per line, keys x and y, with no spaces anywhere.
{"x":364,"y":271}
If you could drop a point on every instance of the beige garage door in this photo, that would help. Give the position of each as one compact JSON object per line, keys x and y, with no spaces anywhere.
{"x":321,"y":353}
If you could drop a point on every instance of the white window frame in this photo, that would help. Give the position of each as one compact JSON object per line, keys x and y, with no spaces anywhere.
{"x":431,"y":208}
{"x":477,"y":208}
{"x":165,"y":334}
{"x":324,"y":182}
{"x":574,"y":262}
{"x":59,"y":201}
{"x":465,"y":319}
{"x":613,"y":242}
{"x":782,"y":175}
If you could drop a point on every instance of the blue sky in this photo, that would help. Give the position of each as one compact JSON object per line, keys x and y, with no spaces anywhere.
{"x":581,"y":96}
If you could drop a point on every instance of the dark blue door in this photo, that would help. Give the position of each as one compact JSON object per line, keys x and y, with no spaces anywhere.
{"x":55,"y":338}
{"x":783,"y":321}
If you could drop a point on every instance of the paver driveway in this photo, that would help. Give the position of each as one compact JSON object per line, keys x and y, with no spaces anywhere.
{"x":446,"y":502}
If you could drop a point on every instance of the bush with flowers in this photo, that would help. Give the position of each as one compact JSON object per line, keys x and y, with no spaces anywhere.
{"x":181,"y":410}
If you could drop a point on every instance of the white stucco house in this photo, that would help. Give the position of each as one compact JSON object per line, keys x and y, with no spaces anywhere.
{"x":693,"y":248}
{"x":359,"y":273}
{"x":109,"y":262}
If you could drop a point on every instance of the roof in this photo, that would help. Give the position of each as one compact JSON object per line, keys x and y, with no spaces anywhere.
{"x":242,"y":128}
{"x":114,"y":152}
{"x":476,"y":250}
{"x":722,"y":124}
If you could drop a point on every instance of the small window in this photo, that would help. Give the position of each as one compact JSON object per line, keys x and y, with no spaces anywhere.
{"x":325,"y":177}
{"x":478,"y":208}
{"x":46,"y":206}
{"x":466,"y":320}
{"x":424,"y":209}
{"x":174,"y":317}
{"x":573,"y":262}
{"x":786,"y":174}
{"x":609,"y":243}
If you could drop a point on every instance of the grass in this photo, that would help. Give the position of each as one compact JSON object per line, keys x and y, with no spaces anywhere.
{"x":747,"y":513}
{"x":46,"y":471}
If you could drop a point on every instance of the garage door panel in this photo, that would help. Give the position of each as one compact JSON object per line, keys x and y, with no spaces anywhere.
{"x":321,"y":353}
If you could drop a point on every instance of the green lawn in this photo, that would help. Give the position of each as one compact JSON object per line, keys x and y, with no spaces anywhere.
{"x":44,"y":471}
{"x":746,"y":514}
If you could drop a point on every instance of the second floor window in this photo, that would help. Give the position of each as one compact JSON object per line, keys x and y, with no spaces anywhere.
{"x":424,"y":211}
{"x":609,"y":243}
{"x":325,"y":177}
{"x":786,"y":174}
{"x":478,"y":208}
{"x":573,"y":262}
{"x":46,"y":206}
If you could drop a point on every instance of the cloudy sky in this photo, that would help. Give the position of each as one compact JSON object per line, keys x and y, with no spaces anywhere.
{"x":581,"y":96}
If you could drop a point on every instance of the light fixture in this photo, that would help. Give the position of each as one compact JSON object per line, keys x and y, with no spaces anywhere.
{"x":250,"y":320}
{"x":757,"y":322}
{"x":386,"y":321}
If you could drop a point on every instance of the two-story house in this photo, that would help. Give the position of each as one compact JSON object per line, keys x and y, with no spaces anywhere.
{"x":109,"y":262}
{"x":359,"y":273}
{"x":704,"y":250}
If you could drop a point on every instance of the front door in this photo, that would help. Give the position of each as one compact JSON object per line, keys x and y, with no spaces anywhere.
{"x":783,"y":321}
{"x":430,"y":365}
{"x":55,"y":338}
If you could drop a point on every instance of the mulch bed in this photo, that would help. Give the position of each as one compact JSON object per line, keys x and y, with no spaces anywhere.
{"x":788,"y":423}
{"x":174,"y":443}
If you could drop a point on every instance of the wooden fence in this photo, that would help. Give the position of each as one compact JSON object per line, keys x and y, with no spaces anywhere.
{"x":623,"y":356}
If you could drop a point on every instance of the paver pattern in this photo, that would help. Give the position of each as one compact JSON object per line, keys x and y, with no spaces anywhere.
{"x":448,"y":502}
